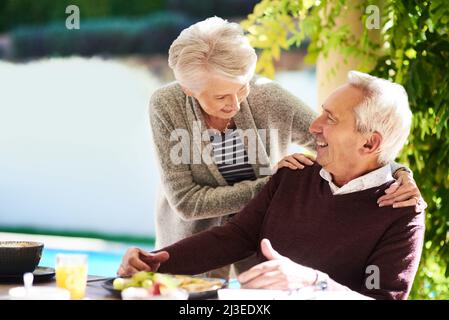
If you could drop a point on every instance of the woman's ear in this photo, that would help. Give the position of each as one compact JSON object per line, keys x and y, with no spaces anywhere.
{"x":187,"y":91}
{"x":372,"y":143}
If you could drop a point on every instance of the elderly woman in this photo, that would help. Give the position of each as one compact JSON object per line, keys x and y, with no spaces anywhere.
{"x":219,"y":132}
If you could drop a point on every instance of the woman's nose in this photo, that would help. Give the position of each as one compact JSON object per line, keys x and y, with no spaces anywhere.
{"x":234,"y":101}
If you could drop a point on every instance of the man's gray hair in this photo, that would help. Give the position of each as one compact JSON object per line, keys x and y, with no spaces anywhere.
{"x":211,"y":47}
{"x":385,"y":110}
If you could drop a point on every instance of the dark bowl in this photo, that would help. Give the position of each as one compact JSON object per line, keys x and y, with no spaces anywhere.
{"x":18,"y":257}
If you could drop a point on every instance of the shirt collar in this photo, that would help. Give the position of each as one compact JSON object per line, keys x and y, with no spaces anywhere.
{"x":370,"y":180}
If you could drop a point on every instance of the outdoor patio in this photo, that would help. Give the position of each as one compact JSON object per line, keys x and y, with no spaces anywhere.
{"x":79,"y":172}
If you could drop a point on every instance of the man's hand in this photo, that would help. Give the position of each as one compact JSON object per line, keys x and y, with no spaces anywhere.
{"x":136,"y":260}
{"x":295,"y":161}
{"x":403,"y":193}
{"x":278,"y":272}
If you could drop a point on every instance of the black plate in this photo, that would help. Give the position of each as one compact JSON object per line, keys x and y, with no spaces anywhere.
{"x":210,"y":294}
{"x":40,"y":274}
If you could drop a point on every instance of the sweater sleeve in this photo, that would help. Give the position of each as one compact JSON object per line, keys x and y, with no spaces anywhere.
{"x":223,"y":245}
{"x":396,"y":166}
{"x":190,"y":200}
{"x":302,"y":115}
{"x":396,"y":258}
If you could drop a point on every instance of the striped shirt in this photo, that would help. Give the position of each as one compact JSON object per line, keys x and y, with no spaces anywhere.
{"x":230,"y":157}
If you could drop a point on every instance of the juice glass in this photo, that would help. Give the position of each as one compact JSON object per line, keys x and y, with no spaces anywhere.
{"x":71,"y":274}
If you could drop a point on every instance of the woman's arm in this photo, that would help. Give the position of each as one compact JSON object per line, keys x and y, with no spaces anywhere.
{"x":404,"y":192}
{"x":284,"y":110}
{"x":288,"y":106}
{"x":189,"y":199}
{"x":302,"y":118}
{"x":397,"y":167}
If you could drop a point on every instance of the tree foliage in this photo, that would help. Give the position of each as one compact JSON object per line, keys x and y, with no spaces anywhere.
{"x":31,"y":12}
{"x":413,"y":50}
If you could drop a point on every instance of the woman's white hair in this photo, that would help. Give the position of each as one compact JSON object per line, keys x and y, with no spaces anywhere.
{"x":385,"y":110}
{"x":211,"y":47}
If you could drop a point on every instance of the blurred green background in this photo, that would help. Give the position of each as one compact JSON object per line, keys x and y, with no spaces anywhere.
{"x":108,"y":27}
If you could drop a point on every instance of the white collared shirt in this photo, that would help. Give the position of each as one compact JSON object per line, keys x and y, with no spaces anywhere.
{"x":370,"y":180}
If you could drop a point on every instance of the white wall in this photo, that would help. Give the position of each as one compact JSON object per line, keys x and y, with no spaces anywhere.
{"x":75,"y":148}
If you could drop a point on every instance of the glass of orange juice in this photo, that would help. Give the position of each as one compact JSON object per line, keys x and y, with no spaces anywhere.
{"x":71,"y":274}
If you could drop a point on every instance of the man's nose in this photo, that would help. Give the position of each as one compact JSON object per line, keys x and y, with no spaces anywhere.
{"x":315,"y":126}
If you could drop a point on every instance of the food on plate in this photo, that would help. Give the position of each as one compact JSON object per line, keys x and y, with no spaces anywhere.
{"x":159,"y":283}
{"x":194,"y":284}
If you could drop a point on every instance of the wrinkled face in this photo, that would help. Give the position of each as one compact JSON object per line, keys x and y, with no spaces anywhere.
{"x":221,"y":98}
{"x":339,"y":144}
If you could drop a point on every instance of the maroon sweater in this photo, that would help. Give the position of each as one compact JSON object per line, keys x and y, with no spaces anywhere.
{"x":340,"y":235}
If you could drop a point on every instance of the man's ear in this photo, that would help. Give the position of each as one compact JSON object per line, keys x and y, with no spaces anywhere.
{"x":372,"y":143}
{"x":187,"y":91}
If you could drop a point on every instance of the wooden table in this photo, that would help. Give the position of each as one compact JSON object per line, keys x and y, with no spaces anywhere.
{"x":94,"y":290}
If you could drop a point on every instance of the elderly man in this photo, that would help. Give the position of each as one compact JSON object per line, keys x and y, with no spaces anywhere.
{"x":324,"y":221}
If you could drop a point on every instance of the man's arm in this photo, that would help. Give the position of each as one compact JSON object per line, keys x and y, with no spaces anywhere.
{"x":209,"y":249}
{"x":222,"y":245}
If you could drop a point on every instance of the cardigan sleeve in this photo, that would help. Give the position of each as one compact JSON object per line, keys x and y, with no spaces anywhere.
{"x":396,"y":166}
{"x":190,"y":200}
{"x":302,"y":119}
{"x":299,"y":114}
